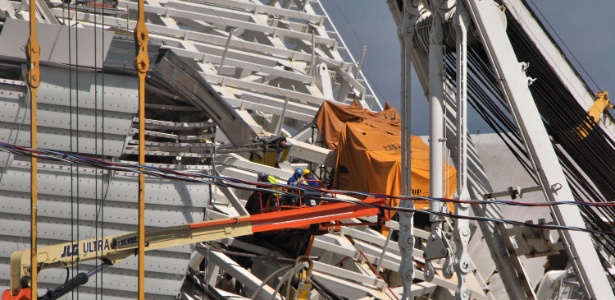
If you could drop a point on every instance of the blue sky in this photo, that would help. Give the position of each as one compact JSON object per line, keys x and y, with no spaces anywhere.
{"x":586,"y":29}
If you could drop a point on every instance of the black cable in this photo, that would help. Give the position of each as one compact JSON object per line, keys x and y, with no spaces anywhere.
{"x":560,"y":39}
{"x":582,"y":159}
{"x":323,"y":290}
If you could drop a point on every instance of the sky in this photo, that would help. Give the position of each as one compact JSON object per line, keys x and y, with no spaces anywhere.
{"x":585,"y":30}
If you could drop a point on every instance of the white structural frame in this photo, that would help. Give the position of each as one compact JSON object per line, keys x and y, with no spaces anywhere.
{"x":487,"y":16}
{"x":406,"y":237}
{"x":512,"y":276}
{"x":436,"y":110}
{"x":556,"y":60}
{"x":462,"y":232}
{"x":257,"y":72}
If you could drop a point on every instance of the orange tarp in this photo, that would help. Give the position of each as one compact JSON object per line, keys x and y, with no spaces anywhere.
{"x":369,"y":153}
{"x":331,"y":118}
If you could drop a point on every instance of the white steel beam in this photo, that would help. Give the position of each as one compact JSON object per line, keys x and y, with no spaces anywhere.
{"x":242,"y":275}
{"x":196,"y":12}
{"x":462,"y":232}
{"x":556,"y":59}
{"x":348,"y":289}
{"x":478,"y":183}
{"x":406,"y":29}
{"x":233,"y":199}
{"x":199,"y":36}
{"x":487,"y":16}
{"x":436,"y":112}
{"x":372,"y":247}
{"x":272,"y":105}
{"x":241,"y":59}
{"x":261,"y":88}
{"x":256,"y":8}
{"x":418,"y":289}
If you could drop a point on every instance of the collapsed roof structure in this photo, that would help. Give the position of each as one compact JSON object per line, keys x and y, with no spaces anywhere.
{"x":229,"y":78}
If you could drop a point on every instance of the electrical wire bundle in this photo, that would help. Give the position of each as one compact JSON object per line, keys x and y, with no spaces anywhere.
{"x":237,"y":183}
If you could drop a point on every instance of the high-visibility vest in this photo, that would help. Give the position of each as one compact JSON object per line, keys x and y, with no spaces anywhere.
{"x":272,"y":179}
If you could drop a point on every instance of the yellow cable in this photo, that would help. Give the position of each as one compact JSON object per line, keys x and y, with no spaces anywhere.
{"x":33,"y":55}
{"x":142,"y":65}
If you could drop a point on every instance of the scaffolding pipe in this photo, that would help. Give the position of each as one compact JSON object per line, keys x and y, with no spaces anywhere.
{"x":313,"y":62}
{"x":228,"y":42}
{"x":360,"y":64}
{"x":278,"y":128}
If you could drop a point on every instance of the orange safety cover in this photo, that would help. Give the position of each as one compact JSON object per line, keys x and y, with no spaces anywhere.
{"x":369,"y":160}
{"x":331,"y":118}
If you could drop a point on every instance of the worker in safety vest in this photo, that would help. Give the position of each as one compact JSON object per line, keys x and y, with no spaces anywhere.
{"x":308,"y":179}
{"x":264,"y":177}
{"x":269,"y":199}
{"x":291,"y":199}
{"x":296,"y":176}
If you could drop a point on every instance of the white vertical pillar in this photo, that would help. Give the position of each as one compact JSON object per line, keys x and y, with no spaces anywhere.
{"x":406,"y":238}
{"x":436,"y":112}
{"x":462,"y":231}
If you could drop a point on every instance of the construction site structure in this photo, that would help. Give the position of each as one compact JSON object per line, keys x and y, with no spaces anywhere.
{"x":228,"y":89}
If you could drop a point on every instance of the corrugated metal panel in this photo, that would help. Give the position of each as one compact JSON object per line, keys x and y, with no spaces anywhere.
{"x":70,"y":115}
{"x":77,"y":201}
{"x":59,"y":43}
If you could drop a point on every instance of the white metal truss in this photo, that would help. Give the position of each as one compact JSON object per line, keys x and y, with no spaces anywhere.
{"x":556,"y":59}
{"x":514,"y":85}
{"x":406,"y":227}
{"x":478,"y":182}
{"x":510,"y":268}
{"x":273,"y":63}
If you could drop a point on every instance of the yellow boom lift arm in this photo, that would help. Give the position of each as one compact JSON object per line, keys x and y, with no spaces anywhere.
{"x":113,"y":249}
{"x":594,"y":113}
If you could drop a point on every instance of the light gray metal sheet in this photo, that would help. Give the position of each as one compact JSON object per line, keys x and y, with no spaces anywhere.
{"x":123,"y":188}
{"x":122,"y":52}
{"x":5,"y":159}
{"x":50,"y":138}
{"x":165,"y":268}
{"x":494,"y":154}
{"x":119,"y":93}
{"x":70,"y":115}
{"x":61,"y":117}
{"x":88,"y":47}
{"x":116,"y":213}
{"x":55,"y":180}
{"x":14,"y":37}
